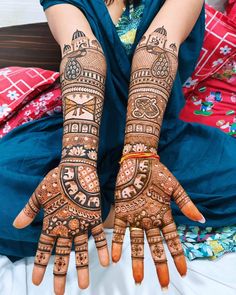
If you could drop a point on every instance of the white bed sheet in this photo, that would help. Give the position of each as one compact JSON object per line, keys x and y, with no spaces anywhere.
{"x":204,"y":277}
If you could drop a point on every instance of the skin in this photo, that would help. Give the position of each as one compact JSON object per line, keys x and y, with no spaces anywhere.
{"x":145,"y":186}
{"x":67,"y":181}
{"x":70,"y":193}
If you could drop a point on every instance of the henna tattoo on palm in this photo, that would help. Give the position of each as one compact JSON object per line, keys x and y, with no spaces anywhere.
{"x":144,"y":190}
{"x":70,"y":193}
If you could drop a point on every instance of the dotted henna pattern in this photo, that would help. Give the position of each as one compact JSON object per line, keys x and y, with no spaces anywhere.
{"x":145,"y":187}
{"x":70,"y":194}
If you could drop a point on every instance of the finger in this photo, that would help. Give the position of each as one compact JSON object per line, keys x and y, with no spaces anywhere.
{"x":186,"y":205}
{"x":117,"y":239}
{"x":159,"y":257}
{"x":43,"y":254}
{"x":101,"y":244}
{"x":174,"y":245}
{"x":137,"y":253}
{"x":28,"y":213}
{"x":61,"y":263}
{"x":81,"y":258}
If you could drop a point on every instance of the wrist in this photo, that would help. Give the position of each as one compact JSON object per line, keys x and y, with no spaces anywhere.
{"x":78,"y":148}
{"x":139,"y":147}
{"x":140,"y":155}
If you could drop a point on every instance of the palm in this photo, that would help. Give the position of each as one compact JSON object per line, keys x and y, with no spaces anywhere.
{"x":144,"y":190}
{"x":143,"y":193}
{"x":70,"y":198}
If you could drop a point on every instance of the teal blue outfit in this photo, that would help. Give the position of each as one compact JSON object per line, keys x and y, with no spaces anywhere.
{"x":201,"y":157}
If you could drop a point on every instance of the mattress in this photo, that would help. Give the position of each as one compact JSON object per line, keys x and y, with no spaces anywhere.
{"x":204,"y":277}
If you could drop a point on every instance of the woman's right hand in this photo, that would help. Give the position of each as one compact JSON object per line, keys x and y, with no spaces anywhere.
{"x":70,"y":198}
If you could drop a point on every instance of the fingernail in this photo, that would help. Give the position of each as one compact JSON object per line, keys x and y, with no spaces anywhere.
{"x":137,"y":284}
{"x":202,"y":220}
{"x":14,"y":223}
{"x":164,"y":289}
{"x":184,"y":276}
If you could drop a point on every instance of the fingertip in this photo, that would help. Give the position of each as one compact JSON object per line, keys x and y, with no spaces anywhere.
{"x":84,"y":285}
{"x":116,"y":252}
{"x":181,"y":265}
{"x":138,"y":271}
{"x":22,"y":220}
{"x":202,"y":220}
{"x":59,"y":285}
{"x":163,"y":274}
{"x":191,"y":211}
{"x":37,"y":275}
{"x":104,"y":257}
{"x":83,"y":278}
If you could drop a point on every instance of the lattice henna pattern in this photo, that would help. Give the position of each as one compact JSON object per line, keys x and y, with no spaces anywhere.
{"x":70,"y":193}
{"x":144,"y":187}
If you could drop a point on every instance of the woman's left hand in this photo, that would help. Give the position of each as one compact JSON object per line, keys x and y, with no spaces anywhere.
{"x":144,"y":190}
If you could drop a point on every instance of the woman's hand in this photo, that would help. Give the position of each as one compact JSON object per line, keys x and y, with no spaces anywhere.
{"x":145,"y":186}
{"x":70,"y":198}
{"x":144,"y":190}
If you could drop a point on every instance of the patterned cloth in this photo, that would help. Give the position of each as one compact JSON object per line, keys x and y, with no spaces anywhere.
{"x":128,"y":23}
{"x":210,"y":91}
{"x":208,"y":243}
{"x":27,"y":94}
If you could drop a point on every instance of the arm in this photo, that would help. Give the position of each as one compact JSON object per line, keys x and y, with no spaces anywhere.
{"x":70,"y":193}
{"x":144,"y":185}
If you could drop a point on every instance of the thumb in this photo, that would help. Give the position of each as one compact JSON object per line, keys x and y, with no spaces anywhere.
{"x":186,"y":205}
{"x":28,"y":213}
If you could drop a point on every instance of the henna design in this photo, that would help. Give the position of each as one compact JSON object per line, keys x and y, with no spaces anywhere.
{"x":144,"y":186}
{"x":145,"y":107}
{"x":81,"y":251}
{"x":156,"y":246}
{"x":137,"y":244}
{"x":70,"y":193}
{"x":151,"y":204}
{"x":153,"y":72}
{"x":45,"y":246}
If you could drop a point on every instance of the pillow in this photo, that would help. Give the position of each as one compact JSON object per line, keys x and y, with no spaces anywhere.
{"x":19,"y":85}
{"x":47,"y":103}
{"x":231,"y":10}
{"x":210,"y":91}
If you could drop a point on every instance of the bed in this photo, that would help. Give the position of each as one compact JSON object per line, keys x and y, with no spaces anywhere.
{"x":20,"y":46}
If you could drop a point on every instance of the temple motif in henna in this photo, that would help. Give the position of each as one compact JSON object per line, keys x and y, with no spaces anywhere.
{"x":70,"y":193}
{"x":145,"y":186}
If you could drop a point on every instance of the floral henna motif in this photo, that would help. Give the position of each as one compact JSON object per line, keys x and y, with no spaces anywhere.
{"x":144,"y":186}
{"x":148,"y":209}
{"x":70,"y":193}
{"x":153,"y":72}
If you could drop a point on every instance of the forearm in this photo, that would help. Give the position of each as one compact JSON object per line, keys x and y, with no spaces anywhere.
{"x":82,"y":74}
{"x":153,"y":72}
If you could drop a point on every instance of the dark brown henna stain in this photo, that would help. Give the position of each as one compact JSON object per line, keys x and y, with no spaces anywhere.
{"x":145,"y":186}
{"x":70,"y":193}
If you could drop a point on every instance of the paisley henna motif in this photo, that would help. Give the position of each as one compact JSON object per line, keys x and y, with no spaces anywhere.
{"x":70,"y":193}
{"x":145,"y":186}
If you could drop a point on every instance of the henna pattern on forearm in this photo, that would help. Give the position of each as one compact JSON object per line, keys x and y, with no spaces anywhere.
{"x":70,"y":193}
{"x":83,"y":74}
{"x":145,"y":186}
{"x":153,"y":71}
